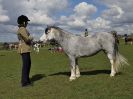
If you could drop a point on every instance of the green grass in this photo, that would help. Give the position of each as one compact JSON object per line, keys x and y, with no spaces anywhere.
{"x":50,"y":73}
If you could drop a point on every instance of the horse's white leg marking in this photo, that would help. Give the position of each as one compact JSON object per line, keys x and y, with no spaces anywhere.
{"x":113,"y":72}
{"x":77,"y":71}
{"x":73,"y":68}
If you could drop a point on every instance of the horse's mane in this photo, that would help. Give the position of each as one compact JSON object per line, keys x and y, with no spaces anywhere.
{"x":54,"y":27}
{"x":49,"y":27}
{"x":62,"y":30}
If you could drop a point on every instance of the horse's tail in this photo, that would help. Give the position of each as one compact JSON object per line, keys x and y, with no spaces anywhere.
{"x":119,"y":60}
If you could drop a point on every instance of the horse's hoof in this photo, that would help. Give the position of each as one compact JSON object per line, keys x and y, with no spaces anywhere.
{"x":77,"y":76}
{"x":112,"y":75}
{"x":72,"y":78}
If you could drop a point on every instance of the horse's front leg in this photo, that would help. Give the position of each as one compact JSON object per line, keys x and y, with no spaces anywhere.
{"x":73,"y":68}
{"x":77,"y":69}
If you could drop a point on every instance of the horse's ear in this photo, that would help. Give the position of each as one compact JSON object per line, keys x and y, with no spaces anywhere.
{"x":46,"y":30}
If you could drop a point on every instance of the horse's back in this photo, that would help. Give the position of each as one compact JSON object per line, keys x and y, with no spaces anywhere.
{"x":84,"y":46}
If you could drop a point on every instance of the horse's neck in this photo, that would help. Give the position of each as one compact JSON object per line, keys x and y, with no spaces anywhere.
{"x":63,"y":37}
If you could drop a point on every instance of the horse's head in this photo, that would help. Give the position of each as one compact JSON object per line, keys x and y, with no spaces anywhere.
{"x":49,"y":34}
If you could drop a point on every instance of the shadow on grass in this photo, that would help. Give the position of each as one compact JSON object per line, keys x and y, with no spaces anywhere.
{"x":2,"y":55}
{"x":94,"y":72}
{"x":37,"y":77}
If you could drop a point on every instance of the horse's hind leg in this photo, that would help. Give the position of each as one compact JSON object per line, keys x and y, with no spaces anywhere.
{"x":77,"y":69}
{"x":111,"y":58}
{"x":131,"y":42}
{"x":73,"y":68}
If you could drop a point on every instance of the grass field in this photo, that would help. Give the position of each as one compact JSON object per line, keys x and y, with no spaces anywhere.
{"x":50,"y":77}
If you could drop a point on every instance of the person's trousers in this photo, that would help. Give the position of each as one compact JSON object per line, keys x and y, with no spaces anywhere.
{"x":25,"y":68}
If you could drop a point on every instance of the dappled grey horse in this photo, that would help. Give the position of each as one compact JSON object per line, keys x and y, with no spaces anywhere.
{"x":77,"y":46}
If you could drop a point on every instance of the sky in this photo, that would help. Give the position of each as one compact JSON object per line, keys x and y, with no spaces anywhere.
{"x":71,"y":15}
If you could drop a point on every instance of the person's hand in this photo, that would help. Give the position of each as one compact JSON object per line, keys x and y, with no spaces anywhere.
{"x":31,"y":37}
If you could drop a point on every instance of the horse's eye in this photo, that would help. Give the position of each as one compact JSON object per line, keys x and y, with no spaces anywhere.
{"x":47,"y":30}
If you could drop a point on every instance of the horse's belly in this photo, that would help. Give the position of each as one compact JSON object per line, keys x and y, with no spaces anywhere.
{"x":89,"y":51}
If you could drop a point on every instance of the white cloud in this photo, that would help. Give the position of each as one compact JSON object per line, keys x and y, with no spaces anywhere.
{"x":99,"y":23}
{"x":40,"y":18}
{"x":123,"y":9}
{"x":43,"y":11}
{"x":114,"y":12}
{"x":78,"y":20}
{"x":35,"y":9}
{"x":76,"y":23}
{"x":3,"y":16}
{"x":85,"y":9}
{"x":122,"y":19}
{"x":40,"y":12}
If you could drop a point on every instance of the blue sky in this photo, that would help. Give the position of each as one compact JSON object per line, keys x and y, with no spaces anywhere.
{"x":71,"y":15}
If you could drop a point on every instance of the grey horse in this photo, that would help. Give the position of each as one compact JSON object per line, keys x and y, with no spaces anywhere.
{"x":77,"y":46}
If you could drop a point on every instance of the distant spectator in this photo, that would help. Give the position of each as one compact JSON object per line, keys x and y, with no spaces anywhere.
{"x":86,"y":32}
{"x":126,"y":38}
